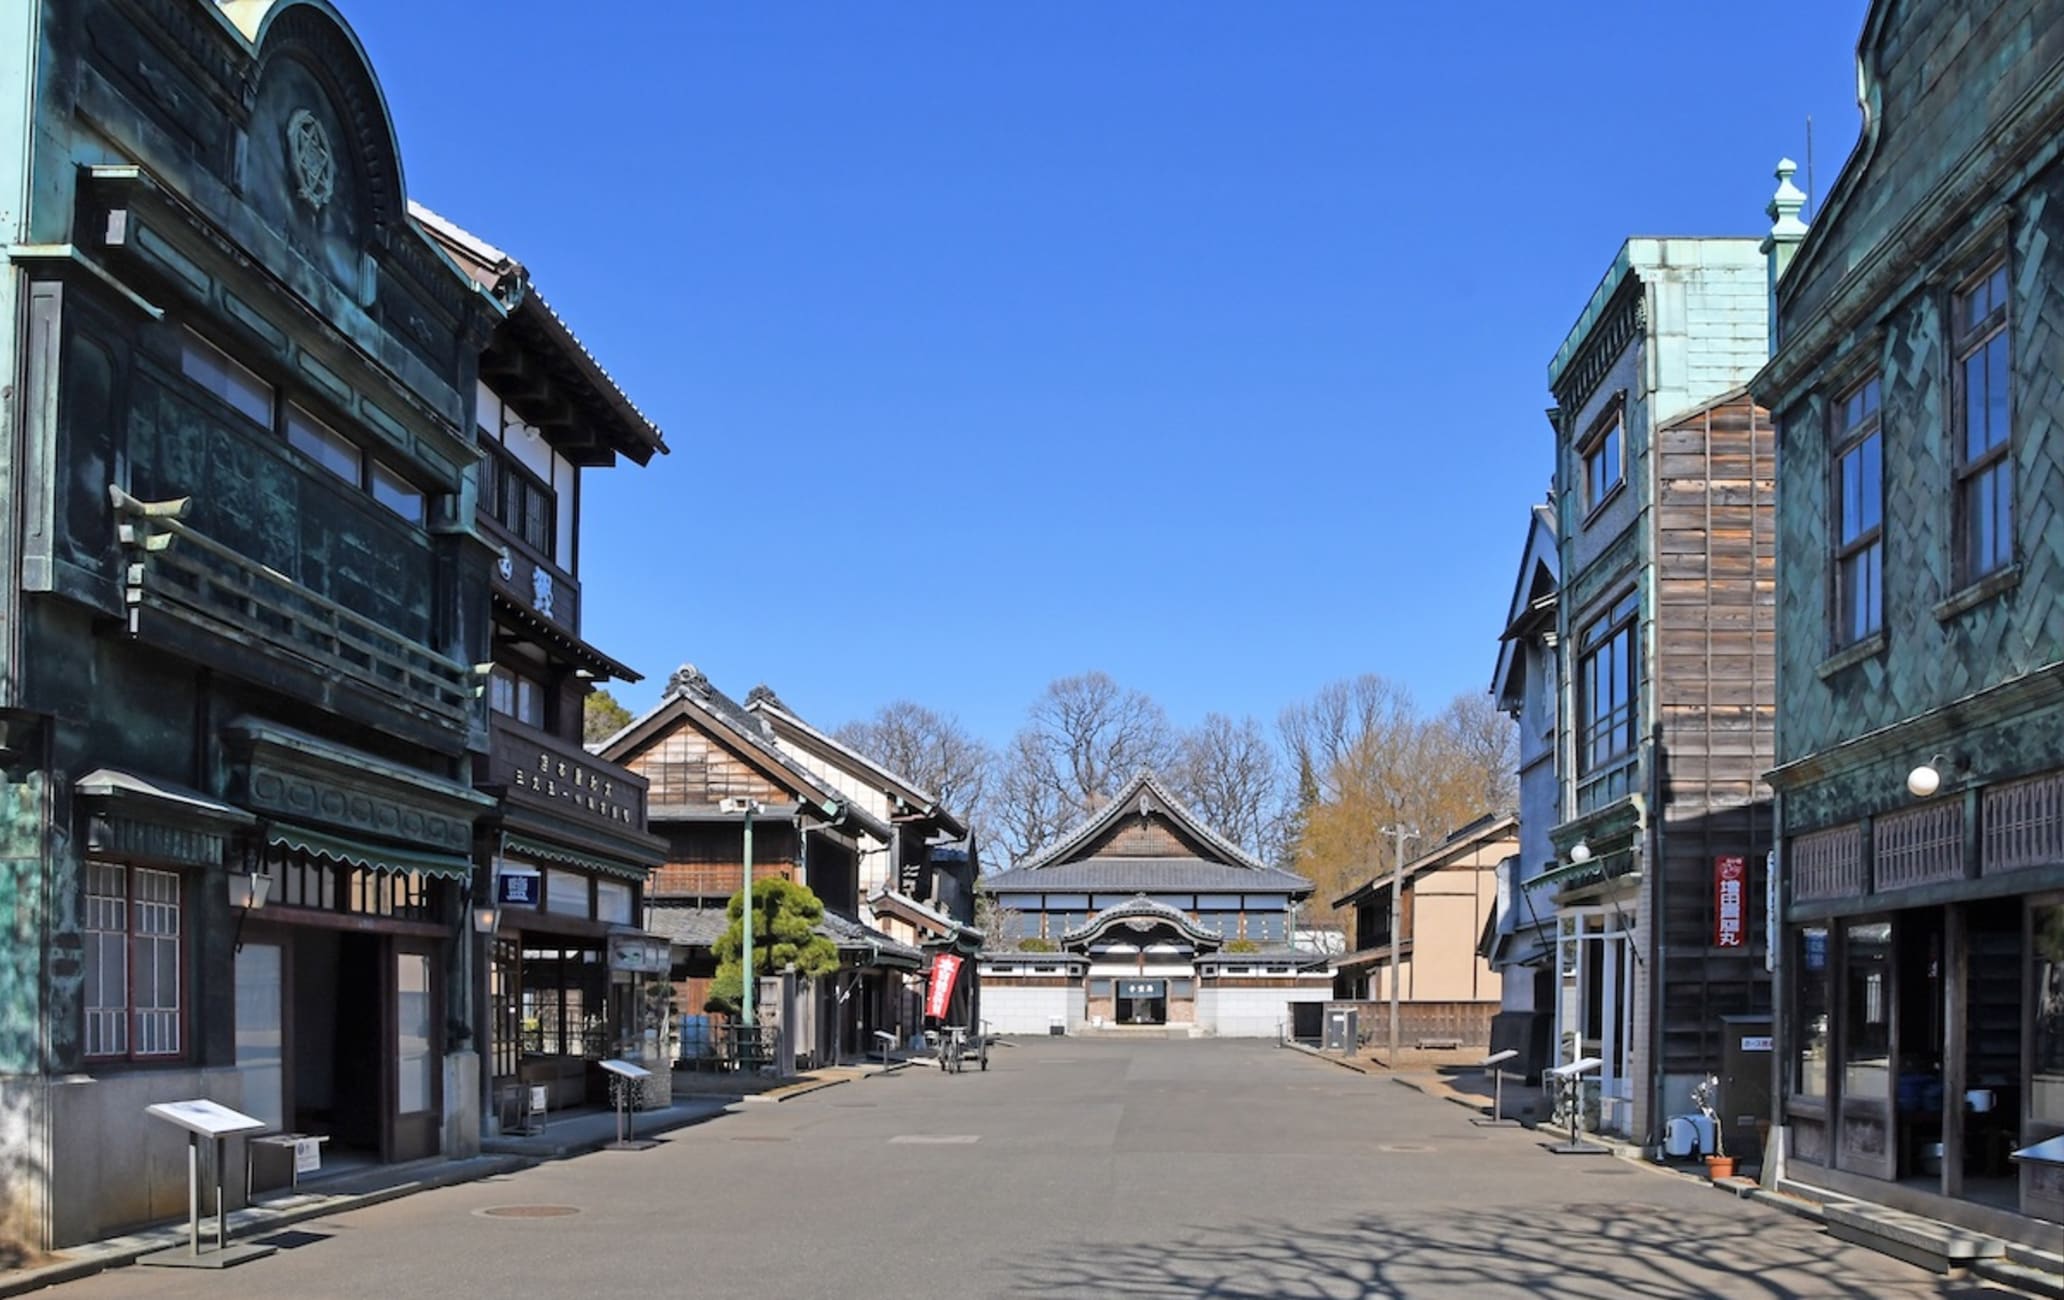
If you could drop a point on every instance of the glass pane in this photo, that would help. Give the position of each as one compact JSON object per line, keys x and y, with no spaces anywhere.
{"x":1871,"y":484}
{"x":258,"y":1031}
{"x":323,"y":445}
{"x":397,"y":494}
{"x":412,"y":1032}
{"x":2046,"y":993}
{"x":1811,"y":1077}
{"x":1867,"y":1011}
{"x":214,"y":371}
{"x":1996,"y":289}
{"x":1996,"y":388}
{"x":1975,"y":438}
{"x":613,"y":901}
{"x":2003,"y":513}
{"x":1852,"y":494}
{"x":566,"y":892}
{"x":1979,"y":524}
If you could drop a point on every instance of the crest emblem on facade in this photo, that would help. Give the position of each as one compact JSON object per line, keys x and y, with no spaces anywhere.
{"x":506,"y":566}
{"x":315,"y":166}
{"x":541,"y":591}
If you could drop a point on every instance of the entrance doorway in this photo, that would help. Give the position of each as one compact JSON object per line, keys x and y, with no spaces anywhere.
{"x":1142,"y":1002}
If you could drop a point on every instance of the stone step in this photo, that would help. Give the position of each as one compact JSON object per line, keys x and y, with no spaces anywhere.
{"x":2022,"y":1277}
{"x":1942,"y":1247}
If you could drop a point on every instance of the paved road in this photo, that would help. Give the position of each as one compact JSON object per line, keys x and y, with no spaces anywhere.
{"x":1074,"y":1167}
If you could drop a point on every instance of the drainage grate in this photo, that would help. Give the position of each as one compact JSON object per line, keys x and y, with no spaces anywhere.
{"x":528,"y":1211}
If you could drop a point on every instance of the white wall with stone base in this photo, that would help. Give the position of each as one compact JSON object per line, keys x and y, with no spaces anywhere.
{"x":1014,"y":1009}
{"x":1230,"y":1011}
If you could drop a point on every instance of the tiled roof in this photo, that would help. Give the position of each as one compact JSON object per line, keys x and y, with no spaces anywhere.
{"x":1147,"y":875}
{"x":1123,"y":804}
{"x":1141,"y":909}
{"x":851,"y":936}
{"x":691,"y":927}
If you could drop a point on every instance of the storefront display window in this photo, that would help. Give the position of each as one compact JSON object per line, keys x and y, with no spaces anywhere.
{"x":1815,"y":1003}
{"x":2046,"y":998}
{"x":1867,"y":1009}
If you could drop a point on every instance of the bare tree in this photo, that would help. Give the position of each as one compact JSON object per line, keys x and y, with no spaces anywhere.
{"x":1084,"y":737}
{"x":929,"y":749}
{"x":1323,"y":735}
{"x":1230,"y":775}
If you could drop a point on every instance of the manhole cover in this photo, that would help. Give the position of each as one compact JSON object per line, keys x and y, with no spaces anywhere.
{"x":529,"y":1211}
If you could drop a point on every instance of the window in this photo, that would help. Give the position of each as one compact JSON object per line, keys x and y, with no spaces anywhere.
{"x":1867,"y":1009}
{"x":566,"y":892}
{"x":132,"y":962}
{"x":516,"y":696}
{"x":207,"y":366}
{"x":324,"y":445}
{"x":1606,"y":682}
{"x":397,"y":493}
{"x":613,"y":901}
{"x":1605,"y":462}
{"x":2046,"y":1000}
{"x":1811,"y":1032}
{"x":518,"y":500}
{"x":1860,"y":515}
{"x":1980,"y":424}
{"x":1267,"y":927}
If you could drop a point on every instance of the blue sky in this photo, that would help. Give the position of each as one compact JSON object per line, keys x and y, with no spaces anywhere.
{"x":1202,"y":343}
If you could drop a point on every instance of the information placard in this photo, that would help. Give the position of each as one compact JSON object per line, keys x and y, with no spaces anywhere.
{"x":207,"y":1118}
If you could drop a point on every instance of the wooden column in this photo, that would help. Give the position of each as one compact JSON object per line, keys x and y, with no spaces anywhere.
{"x":1956,"y":953}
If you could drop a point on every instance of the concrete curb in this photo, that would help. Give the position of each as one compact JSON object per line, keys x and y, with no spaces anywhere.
{"x":1340,"y":1061}
{"x":775,"y":1096}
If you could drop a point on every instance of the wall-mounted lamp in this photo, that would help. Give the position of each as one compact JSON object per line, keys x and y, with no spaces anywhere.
{"x":1580,"y":853}
{"x":1926,"y":779}
{"x":487,"y":918}
{"x":248,"y":890}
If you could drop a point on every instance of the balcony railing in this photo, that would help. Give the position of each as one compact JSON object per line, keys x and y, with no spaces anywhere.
{"x":171,"y":569}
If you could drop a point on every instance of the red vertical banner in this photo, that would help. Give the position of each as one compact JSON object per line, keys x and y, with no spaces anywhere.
{"x":939,"y":996}
{"x":1730,"y":901}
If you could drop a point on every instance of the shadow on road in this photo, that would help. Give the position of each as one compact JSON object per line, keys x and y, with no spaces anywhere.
{"x":1579,"y":1251}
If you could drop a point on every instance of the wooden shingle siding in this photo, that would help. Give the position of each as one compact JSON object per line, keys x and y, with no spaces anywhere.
{"x":1134,"y":838}
{"x":687,"y":767}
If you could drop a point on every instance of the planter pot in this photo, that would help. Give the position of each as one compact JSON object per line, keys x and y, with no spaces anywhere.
{"x":1719,"y":1167}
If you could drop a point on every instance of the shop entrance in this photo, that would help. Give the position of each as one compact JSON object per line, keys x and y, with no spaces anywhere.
{"x":1989,"y":1108}
{"x":1142,"y":1002}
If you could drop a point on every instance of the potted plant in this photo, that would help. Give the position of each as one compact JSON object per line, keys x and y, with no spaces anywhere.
{"x":1706,"y":1096}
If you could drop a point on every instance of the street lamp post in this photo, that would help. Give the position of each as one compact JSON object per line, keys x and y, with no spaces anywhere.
{"x":1398,"y":834}
{"x":746,"y":981}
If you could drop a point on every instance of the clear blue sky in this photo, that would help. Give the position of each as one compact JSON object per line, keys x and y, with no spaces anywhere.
{"x":1203,"y":343}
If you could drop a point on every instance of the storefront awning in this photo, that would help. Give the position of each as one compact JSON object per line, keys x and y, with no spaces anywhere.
{"x":546,"y":851}
{"x":1569,"y":875}
{"x":364,"y":856}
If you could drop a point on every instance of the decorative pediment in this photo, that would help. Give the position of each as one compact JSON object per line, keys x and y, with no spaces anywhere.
{"x":1141,"y":915}
{"x":282,"y":772}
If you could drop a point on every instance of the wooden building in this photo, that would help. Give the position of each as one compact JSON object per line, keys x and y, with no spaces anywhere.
{"x":1664,"y":630}
{"x":569,"y":977}
{"x":705,"y":758}
{"x":1144,"y":916}
{"x":240,"y":602}
{"x":1920,"y":774}
{"x":1447,"y":897}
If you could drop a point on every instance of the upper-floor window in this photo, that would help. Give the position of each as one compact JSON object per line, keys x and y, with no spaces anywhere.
{"x":1980,"y":425}
{"x":525,"y":485}
{"x":210,"y":368}
{"x":131,"y":931}
{"x":1859,"y":449}
{"x":512,"y":694}
{"x":1605,"y":461}
{"x":1607,"y":677}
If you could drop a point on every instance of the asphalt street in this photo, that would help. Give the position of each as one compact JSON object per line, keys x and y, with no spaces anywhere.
{"x":1090,"y":1167}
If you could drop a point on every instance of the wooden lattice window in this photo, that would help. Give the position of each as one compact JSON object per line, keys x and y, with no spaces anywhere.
{"x":2023,"y":825}
{"x":134,"y":975}
{"x":1828,"y":864}
{"x":1919,"y":846}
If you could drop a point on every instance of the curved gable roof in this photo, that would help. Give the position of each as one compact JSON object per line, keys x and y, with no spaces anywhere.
{"x":1140,"y":915}
{"x":1146,"y":796}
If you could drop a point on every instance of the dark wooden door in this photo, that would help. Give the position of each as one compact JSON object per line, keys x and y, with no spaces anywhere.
{"x":414,"y":1050}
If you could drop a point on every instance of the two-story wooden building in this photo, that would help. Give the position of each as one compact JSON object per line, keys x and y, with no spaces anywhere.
{"x":569,"y":976}
{"x":1920,"y":774}
{"x":1665,"y":623}
{"x":1142,"y":915}
{"x":240,"y":603}
{"x":709,"y":765}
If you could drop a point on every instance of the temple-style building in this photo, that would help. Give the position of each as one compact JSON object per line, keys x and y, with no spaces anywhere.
{"x":1144,"y":916}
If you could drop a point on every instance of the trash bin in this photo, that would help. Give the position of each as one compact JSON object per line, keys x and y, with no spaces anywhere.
{"x":1056,"y":1027}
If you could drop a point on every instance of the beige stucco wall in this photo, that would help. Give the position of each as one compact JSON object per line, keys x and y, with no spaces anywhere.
{"x":1448,"y":907}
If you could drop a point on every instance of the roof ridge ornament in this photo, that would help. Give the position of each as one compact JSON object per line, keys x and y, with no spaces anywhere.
{"x":688,"y":680}
{"x":1785,"y":205}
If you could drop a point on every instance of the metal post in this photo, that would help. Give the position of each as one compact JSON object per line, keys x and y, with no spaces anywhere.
{"x":747,"y":1001}
{"x":1397,"y":880}
{"x":193,"y":1193}
{"x":221,"y":1206}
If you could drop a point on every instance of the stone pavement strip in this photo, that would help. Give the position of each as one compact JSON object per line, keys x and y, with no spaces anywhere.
{"x":1074,"y":1167}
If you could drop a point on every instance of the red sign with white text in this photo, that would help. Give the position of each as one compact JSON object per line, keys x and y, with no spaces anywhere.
{"x":939,"y":997}
{"x":1730,"y":902}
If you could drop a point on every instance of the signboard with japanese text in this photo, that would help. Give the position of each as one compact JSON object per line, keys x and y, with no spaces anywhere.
{"x":939,"y":996}
{"x":1730,"y":901}
{"x":518,"y":888}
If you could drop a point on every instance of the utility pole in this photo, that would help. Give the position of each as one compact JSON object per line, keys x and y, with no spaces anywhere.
{"x":1399,"y":834}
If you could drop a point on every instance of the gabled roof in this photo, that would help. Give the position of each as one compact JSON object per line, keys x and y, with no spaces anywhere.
{"x":691,"y":700}
{"x":1486,"y":829}
{"x":905,"y":908}
{"x":627,"y":429}
{"x":764,"y":702}
{"x":1534,"y":594}
{"x":1142,"y":914}
{"x":1144,"y":795}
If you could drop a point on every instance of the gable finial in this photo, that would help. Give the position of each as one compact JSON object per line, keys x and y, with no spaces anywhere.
{"x":688,"y":680}
{"x":1786,"y":204}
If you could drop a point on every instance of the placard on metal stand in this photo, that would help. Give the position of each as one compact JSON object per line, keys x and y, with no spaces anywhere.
{"x":1495,"y":1063}
{"x":202,"y":1118}
{"x":1571,"y":1078}
{"x":624,"y":1080}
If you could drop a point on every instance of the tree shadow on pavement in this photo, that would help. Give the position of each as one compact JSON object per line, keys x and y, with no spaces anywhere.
{"x":1581,"y":1251}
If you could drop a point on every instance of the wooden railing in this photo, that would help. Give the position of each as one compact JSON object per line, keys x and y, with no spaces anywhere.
{"x":172,"y":569}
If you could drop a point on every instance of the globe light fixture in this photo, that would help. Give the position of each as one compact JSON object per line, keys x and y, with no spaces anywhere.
{"x":1580,"y":853}
{"x":1924,"y":780}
